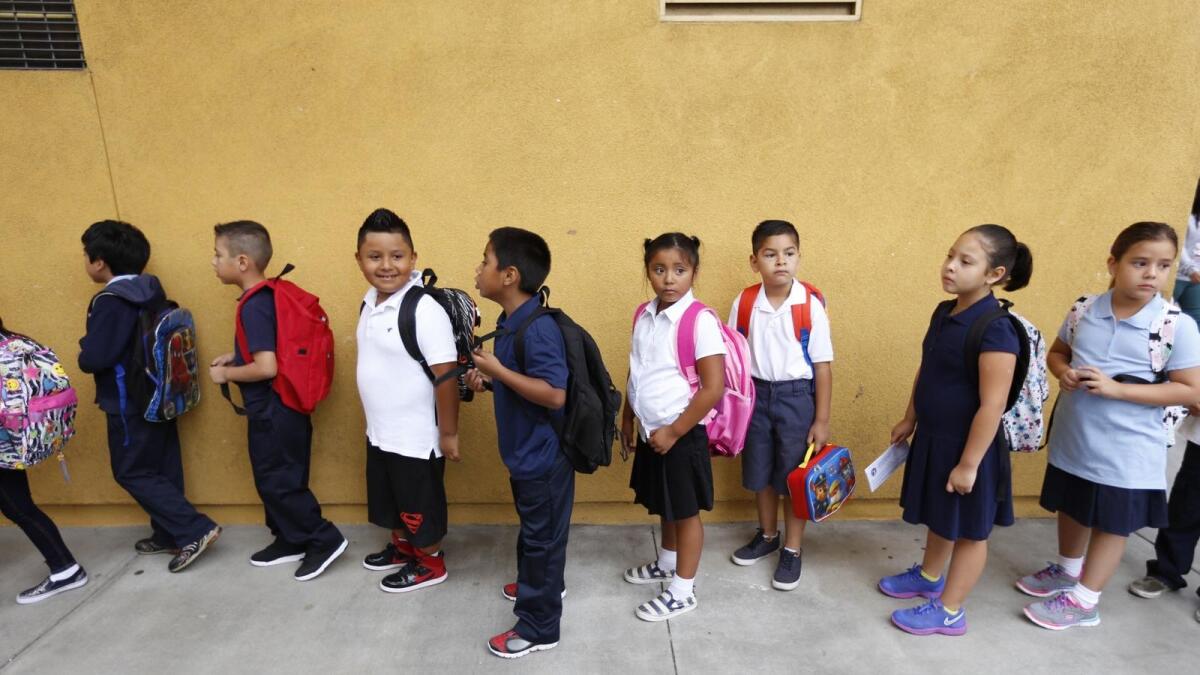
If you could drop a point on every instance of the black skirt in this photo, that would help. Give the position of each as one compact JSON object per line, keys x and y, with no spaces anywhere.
{"x":950,"y":515}
{"x":676,"y":485}
{"x":1119,"y":511}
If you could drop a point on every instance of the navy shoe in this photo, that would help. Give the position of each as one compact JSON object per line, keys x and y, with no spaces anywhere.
{"x":50,"y":588}
{"x":756,"y":550}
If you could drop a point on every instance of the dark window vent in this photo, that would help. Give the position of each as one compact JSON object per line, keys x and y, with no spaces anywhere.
{"x":40,"y":35}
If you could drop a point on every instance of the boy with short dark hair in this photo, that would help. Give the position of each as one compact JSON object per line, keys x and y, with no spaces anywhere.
{"x":412,"y":427}
{"x":145,"y":456}
{"x":527,"y":396}
{"x":279,"y":438}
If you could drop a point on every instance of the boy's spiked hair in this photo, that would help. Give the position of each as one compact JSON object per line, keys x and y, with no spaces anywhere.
{"x":248,"y":238}
{"x":384,"y":220}
{"x":120,"y":245}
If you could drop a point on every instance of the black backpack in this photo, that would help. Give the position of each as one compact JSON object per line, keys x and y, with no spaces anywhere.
{"x":464,"y":319}
{"x":589,"y":420}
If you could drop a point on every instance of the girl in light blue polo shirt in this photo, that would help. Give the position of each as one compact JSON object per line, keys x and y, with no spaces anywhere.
{"x":1106,"y":475}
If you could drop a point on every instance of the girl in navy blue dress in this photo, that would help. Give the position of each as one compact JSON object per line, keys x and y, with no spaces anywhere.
{"x":957,"y":480}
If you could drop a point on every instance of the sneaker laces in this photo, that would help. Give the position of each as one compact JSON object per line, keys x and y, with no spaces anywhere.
{"x":1052,"y":570}
{"x":788,"y":560}
{"x":1061,"y":602}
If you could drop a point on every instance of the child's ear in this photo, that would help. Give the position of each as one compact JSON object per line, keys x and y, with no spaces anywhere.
{"x":1112,"y":266}
{"x":512,"y":276}
{"x":995,"y":275}
{"x":754,"y":262}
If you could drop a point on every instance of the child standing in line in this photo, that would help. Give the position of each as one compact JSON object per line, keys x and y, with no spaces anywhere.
{"x":16,"y":503}
{"x":672,"y":469}
{"x":958,"y":479}
{"x":1106,"y":471}
{"x":528,"y":397}
{"x":411,"y":428}
{"x":793,"y":380}
{"x":279,"y":438}
{"x":145,"y":456}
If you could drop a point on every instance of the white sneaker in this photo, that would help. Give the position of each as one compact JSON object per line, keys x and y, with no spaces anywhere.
{"x":664,"y":607}
{"x":650,"y":573}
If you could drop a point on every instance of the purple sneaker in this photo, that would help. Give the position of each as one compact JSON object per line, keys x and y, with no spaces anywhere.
{"x":1061,"y":612}
{"x":910,"y":584}
{"x":930,"y":618}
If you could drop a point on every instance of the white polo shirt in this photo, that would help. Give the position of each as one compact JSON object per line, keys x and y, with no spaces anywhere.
{"x":775,"y":353}
{"x":397,"y":397}
{"x":657,"y":389}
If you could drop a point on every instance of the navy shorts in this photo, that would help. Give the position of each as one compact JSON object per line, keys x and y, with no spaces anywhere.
{"x":778,"y":433}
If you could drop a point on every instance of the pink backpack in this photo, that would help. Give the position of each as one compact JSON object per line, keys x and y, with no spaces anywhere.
{"x":729,"y":420}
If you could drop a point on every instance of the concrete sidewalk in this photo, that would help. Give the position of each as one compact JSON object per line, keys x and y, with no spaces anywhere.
{"x":225,"y":616}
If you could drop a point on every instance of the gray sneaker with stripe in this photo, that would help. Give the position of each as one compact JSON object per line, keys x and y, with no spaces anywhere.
{"x":664,"y":607}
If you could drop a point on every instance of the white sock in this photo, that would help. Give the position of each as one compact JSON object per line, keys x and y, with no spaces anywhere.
{"x":681,"y":588}
{"x":65,"y":574}
{"x":666,"y":560}
{"x":1085,"y":596}
{"x":1072,"y":566}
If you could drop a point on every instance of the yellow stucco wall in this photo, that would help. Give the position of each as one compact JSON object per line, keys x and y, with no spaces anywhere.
{"x":595,"y":125}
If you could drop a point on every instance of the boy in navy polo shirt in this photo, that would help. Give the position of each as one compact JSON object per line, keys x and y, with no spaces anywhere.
{"x":280,"y":438}
{"x":515,"y":264}
{"x":145,"y":456}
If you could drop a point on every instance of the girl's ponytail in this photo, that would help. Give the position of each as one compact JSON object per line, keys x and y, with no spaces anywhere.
{"x":1022,"y":269}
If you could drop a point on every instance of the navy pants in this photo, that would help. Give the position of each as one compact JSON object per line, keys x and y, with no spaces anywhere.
{"x":1175,"y":545}
{"x":146,"y":461}
{"x":544,"y":507}
{"x":280,"y":443}
{"x":16,"y":503}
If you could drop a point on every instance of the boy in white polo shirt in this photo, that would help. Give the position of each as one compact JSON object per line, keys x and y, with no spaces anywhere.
{"x":790,"y":352}
{"x":411,"y":429}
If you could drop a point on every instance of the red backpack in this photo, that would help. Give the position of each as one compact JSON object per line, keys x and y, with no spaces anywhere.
{"x":801,"y":314}
{"x":303,"y":344}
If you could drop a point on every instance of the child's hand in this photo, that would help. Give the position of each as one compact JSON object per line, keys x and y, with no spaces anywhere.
{"x":1194,"y":277}
{"x":1194,"y":409}
{"x":818,"y":434}
{"x":962,"y":480}
{"x":223,"y":360}
{"x":449,"y":445}
{"x":903,"y":430}
{"x":628,"y":440}
{"x":1095,"y":382}
{"x":218,"y":374}
{"x":1069,"y":381}
{"x":486,"y":362}
{"x":663,"y":439}
{"x":476,"y":380}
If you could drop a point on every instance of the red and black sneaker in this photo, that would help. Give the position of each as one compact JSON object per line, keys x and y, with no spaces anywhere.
{"x":394,"y":556}
{"x":425,"y":570}
{"x":510,"y":645}
{"x":509,"y":591}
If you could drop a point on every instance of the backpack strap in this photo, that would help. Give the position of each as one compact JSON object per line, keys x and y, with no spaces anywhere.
{"x":239,"y":333}
{"x":1162,"y":338}
{"x":685,"y":341}
{"x":974,"y":344}
{"x":637,"y":313}
{"x":746,"y":308}
{"x":406,"y":321}
{"x":802,"y":319}
{"x":1075,"y":315}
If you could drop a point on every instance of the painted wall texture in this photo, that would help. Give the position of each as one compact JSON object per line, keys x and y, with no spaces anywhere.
{"x":596,"y":125}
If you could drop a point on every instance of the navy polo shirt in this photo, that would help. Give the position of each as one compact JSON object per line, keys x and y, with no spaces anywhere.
{"x":258,"y":320}
{"x":528,"y":443}
{"x":945,"y":400}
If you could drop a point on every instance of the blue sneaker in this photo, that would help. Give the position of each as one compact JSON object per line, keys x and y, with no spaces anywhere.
{"x":930,"y":618}
{"x":910,"y":584}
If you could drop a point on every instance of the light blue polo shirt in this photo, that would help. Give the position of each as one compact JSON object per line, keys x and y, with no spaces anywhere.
{"x":1104,"y":440}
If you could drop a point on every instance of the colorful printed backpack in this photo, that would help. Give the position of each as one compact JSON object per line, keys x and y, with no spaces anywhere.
{"x":1161,"y":342}
{"x":801,"y":314}
{"x":167,"y":356}
{"x":729,"y":420}
{"x":464,"y":319}
{"x":822,"y":483}
{"x":37,"y":403}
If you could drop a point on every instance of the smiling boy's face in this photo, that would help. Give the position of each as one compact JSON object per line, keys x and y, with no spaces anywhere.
{"x":387,"y":261}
